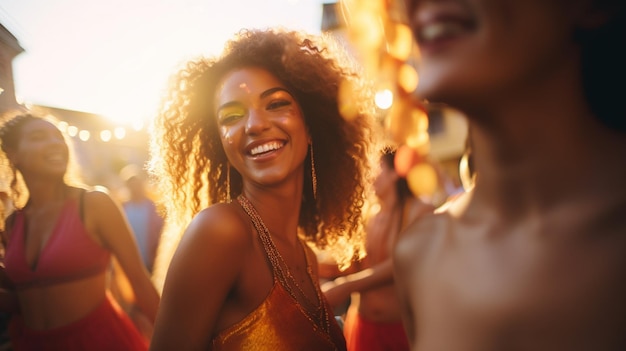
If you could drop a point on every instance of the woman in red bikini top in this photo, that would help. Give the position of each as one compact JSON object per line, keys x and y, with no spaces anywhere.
{"x":58,"y":245}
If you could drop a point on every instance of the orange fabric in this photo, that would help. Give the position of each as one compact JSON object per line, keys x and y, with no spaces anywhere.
{"x":364,"y":335}
{"x":279,"y":324}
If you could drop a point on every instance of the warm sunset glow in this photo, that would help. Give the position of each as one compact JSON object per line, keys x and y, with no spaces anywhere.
{"x":114,"y":58}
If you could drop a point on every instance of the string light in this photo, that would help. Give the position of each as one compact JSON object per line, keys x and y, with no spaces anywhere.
{"x":84,"y":135}
{"x":105,"y":135}
{"x":72,"y":131}
{"x":120,"y":133}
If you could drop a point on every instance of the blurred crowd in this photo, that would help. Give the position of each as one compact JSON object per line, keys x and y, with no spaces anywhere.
{"x":283,"y":209}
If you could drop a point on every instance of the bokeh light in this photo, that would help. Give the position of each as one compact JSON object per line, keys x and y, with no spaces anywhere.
{"x":84,"y":135}
{"x":105,"y":135}
{"x":72,"y":131}
{"x":422,"y":179}
{"x":347,"y":107}
{"x":405,"y":159}
{"x":384,"y":99}
{"x":385,"y":45}
{"x":63,"y":126}
{"x":120,"y":132}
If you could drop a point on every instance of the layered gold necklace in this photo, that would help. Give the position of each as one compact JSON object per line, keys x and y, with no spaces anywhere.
{"x":316,"y":311}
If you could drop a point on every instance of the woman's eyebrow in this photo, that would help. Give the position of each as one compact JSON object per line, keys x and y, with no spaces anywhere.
{"x":271,"y":91}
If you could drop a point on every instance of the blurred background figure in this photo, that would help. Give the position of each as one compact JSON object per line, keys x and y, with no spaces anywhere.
{"x":143,"y":215}
{"x":373,"y":321}
{"x":58,"y":244}
{"x":533,"y":257}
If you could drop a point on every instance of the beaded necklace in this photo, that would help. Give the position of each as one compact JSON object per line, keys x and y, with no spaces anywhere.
{"x":319,"y":317}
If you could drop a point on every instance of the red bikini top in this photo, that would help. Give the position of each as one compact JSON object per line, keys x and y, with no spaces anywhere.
{"x":70,"y":254}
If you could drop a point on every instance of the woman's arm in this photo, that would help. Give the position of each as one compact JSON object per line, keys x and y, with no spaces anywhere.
{"x":202,"y":273}
{"x":115,"y":234}
{"x":339,"y":290}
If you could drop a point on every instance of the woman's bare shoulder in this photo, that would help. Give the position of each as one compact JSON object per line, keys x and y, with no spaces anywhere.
{"x":223,"y":226}
{"x":96,"y":198}
{"x":213,"y":247}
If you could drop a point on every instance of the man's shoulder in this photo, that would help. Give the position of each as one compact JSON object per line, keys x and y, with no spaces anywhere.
{"x":422,"y":235}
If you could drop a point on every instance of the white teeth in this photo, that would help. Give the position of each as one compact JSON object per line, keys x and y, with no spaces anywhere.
{"x":440,"y":30}
{"x":274,"y":145}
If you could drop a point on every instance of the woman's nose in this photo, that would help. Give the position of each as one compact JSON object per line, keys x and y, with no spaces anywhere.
{"x":257,"y":121}
{"x":56,"y":141}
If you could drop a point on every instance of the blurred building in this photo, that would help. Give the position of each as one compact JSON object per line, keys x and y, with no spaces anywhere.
{"x":9,"y":48}
{"x":102,"y":148}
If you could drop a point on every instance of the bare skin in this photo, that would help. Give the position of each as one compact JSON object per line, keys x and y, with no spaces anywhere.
{"x":548,"y":280}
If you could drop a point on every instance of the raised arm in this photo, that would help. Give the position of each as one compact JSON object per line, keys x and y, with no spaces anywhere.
{"x":339,"y":290}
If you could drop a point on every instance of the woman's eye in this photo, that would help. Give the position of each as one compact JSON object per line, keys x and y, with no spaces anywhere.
{"x":229,"y":116}
{"x":278,"y":104}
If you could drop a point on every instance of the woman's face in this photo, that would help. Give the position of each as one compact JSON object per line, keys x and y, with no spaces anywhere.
{"x":261,"y":126}
{"x":481,"y":49}
{"x":385,"y":182}
{"x":41,"y":150}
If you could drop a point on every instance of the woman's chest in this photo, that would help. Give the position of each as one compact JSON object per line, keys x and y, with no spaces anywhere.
{"x":524,"y":293}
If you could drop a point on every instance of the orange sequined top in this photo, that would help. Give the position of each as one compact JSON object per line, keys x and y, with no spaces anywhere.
{"x":279,"y":324}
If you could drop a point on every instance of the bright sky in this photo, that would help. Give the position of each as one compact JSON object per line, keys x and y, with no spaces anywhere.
{"x":114,"y":57}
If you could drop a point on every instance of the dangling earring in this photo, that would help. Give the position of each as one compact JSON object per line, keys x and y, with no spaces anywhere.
{"x":228,"y":183}
{"x":313,"y":173}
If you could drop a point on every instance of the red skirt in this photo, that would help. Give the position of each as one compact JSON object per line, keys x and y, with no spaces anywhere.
{"x":364,"y":335}
{"x":104,"y":329}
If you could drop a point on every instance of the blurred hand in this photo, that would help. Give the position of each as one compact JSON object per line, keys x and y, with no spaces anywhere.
{"x":337,"y":291}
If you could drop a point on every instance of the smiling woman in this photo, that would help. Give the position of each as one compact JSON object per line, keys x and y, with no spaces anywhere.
{"x":58,"y":246}
{"x":261,"y":124}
